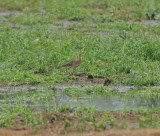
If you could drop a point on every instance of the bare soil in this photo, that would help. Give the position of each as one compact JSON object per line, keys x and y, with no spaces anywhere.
{"x":81,"y":80}
{"x":58,"y":128}
{"x":84,"y":80}
{"x":50,"y":131}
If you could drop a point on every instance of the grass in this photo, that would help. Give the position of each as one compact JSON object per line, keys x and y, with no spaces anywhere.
{"x":133,"y":60}
{"x":38,"y":37}
{"x":34,"y":51}
{"x":34,"y":108}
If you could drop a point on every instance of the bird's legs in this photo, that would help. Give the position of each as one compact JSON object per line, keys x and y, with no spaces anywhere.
{"x":71,"y":74}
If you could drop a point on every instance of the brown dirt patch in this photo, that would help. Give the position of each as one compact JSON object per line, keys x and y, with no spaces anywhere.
{"x":83,"y":80}
{"x":50,"y":131}
{"x":58,"y":127}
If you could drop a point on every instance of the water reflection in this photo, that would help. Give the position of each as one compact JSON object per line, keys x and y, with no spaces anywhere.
{"x":103,"y":102}
{"x":113,"y":101}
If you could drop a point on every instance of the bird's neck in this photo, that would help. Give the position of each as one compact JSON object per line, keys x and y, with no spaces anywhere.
{"x":80,"y":58}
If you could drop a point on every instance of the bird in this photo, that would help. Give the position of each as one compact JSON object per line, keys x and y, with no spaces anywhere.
{"x":74,"y":63}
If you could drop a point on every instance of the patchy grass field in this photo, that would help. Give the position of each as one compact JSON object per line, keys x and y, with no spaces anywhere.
{"x":120,"y":43}
{"x":70,"y":111}
{"x":37,"y":37}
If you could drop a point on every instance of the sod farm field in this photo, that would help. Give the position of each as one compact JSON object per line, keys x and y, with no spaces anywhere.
{"x":119,"y":41}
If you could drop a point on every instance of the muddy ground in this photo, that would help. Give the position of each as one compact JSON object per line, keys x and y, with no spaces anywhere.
{"x":81,"y":80}
{"x":51,"y":132}
{"x":53,"y":129}
{"x":57,"y":128}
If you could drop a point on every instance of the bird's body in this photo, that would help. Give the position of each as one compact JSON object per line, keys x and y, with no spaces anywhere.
{"x":74,"y":63}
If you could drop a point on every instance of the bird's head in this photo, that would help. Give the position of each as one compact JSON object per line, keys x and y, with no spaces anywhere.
{"x":80,"y":55}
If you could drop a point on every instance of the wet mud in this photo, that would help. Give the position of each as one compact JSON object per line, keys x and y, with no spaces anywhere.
{"x":56,"y":128}
{"x":17,"y":88}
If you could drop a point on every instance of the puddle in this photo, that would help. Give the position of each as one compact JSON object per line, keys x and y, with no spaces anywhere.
{"x":64,"y":23}
{"x":108,"y":101}
{"x":147,"y":22}
{"x":150,"y":22}
{"x":4,"y":18}
{"x":109,"y":88}
{"x":113,"y":101}
{"x":17,"y":88}
{"x":8,"y":13}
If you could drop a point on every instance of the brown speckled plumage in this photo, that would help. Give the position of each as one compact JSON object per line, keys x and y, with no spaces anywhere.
{"x":74,"y":63}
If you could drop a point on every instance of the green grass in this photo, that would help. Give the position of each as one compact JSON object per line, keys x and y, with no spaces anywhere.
{"x":105,"y":10}
{"x":38,"y":37}
{"x":112,"y":48}
{"x":124,"y":52}
{"x":34,"y":108}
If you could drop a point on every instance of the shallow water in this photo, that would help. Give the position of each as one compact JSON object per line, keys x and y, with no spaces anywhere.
{"x":108,"y":101}
{"x":114,"y":102}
